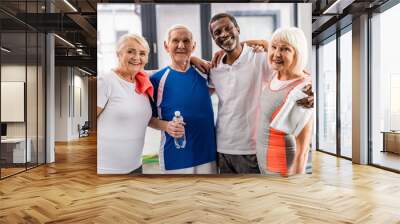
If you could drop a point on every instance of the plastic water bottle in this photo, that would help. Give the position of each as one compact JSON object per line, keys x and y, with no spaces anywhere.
{"x":180,"y":143}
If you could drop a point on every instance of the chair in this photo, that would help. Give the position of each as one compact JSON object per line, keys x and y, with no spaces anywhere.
{"x":84,"y":130}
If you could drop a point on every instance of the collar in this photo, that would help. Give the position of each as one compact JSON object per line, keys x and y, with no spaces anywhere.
{"x":245,"y":51}
{"x":186,"y":69}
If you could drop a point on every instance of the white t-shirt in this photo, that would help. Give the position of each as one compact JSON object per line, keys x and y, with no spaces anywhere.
{"x":277,"y":84}
{"x":121,"y":125}
{"x":238,"y":87}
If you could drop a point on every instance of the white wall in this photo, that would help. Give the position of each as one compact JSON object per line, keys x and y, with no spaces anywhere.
{"x":33,"y":126}
{"x":61,"y":103}
{"x":67,"y":116}
{"x":17,"y":73}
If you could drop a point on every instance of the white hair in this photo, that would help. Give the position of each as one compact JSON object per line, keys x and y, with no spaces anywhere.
{"x":296,"y":38}
{"x":175,"y":27}
{"x":127,"y":37}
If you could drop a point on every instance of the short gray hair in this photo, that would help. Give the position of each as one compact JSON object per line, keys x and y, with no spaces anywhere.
{"x":175,"y":27}
{"x":130,"y":36}
{"x":296,"y":38}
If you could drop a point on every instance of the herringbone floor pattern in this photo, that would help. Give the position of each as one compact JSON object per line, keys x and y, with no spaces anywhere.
{"x":69,"y":191}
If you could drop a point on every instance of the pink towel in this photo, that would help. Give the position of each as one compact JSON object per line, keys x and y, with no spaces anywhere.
{"x":143,"y":84}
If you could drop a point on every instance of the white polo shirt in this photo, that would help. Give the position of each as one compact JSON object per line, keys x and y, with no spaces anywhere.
{"x":238,"y":87}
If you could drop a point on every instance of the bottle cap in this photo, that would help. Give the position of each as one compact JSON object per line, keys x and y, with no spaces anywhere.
{"x":177,"y":113}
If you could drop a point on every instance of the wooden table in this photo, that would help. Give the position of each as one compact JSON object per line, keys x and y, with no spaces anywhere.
{"x":391,"y":141}
{"x":13,"y":150}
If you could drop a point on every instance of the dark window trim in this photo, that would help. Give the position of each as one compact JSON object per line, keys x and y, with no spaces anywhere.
{"x":206,"y":42}
{"x":149,"y":31}
{"x":296,"y":14}
{"x":369,"y":100}
{"x":386,"y":6}
{"x":338,"y":98}
{"x":316,"y":93}
{"x":336,"y":36}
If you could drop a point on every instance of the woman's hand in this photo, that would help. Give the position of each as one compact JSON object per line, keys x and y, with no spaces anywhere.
{"x":175,"y":129}
{"x":217,"y":58}
{"x":203,"y":65}
{"x":307,"y":102}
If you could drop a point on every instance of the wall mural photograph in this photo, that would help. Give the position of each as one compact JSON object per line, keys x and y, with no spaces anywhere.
{"x":204,"y":89}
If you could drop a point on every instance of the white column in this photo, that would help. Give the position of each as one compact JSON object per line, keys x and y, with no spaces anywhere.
{"x":50,"y":99}
{"x":360,"y":90}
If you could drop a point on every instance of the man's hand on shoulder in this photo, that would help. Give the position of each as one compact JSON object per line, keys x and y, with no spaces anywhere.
{"x":203,"y":65}
{"x":216,"y":59}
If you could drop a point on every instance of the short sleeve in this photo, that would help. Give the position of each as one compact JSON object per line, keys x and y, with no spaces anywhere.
{"x":153,"y":102}
{"x":103,"y":91}
{"x":266,"y":70}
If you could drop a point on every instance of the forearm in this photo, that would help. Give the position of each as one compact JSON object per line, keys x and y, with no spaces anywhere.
{"x":302,"y":148}
{"x":174,"y":129}
{"x":263,"y":43}
{"x":194,"y":60}
{"x":158,"y":124}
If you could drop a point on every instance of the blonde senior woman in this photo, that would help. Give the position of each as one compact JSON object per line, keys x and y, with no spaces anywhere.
{"x":284,"y":130}
{"x":123,"y":109}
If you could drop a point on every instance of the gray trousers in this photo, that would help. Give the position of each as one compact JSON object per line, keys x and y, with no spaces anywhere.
{"x":237,"y":164}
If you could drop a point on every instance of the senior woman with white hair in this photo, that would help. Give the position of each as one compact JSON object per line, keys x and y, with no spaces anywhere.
{"x":123,"y":109}
{"x":284,"y":130}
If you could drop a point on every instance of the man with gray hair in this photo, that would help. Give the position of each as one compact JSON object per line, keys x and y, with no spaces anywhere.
{"x":180,"y":87}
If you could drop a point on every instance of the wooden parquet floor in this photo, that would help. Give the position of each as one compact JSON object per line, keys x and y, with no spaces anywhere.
{"x":69,"y":191}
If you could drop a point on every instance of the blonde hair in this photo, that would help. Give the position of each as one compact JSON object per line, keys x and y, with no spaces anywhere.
{"x":296,"y":38}
{"x":175,"y":27}
{"x":139,"y":39}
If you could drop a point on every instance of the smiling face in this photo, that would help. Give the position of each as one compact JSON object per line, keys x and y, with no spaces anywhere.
{"x":281,"y":56}
{"x":225,"y":34}
{"x":180,"y":45}
{"x":132,"y":56}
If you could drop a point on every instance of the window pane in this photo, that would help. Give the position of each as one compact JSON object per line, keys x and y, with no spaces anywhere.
{"x":327,"y":97}
{"x":346,"y":94}
{"x":13,"y":87}
{"x":385,"y":89}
